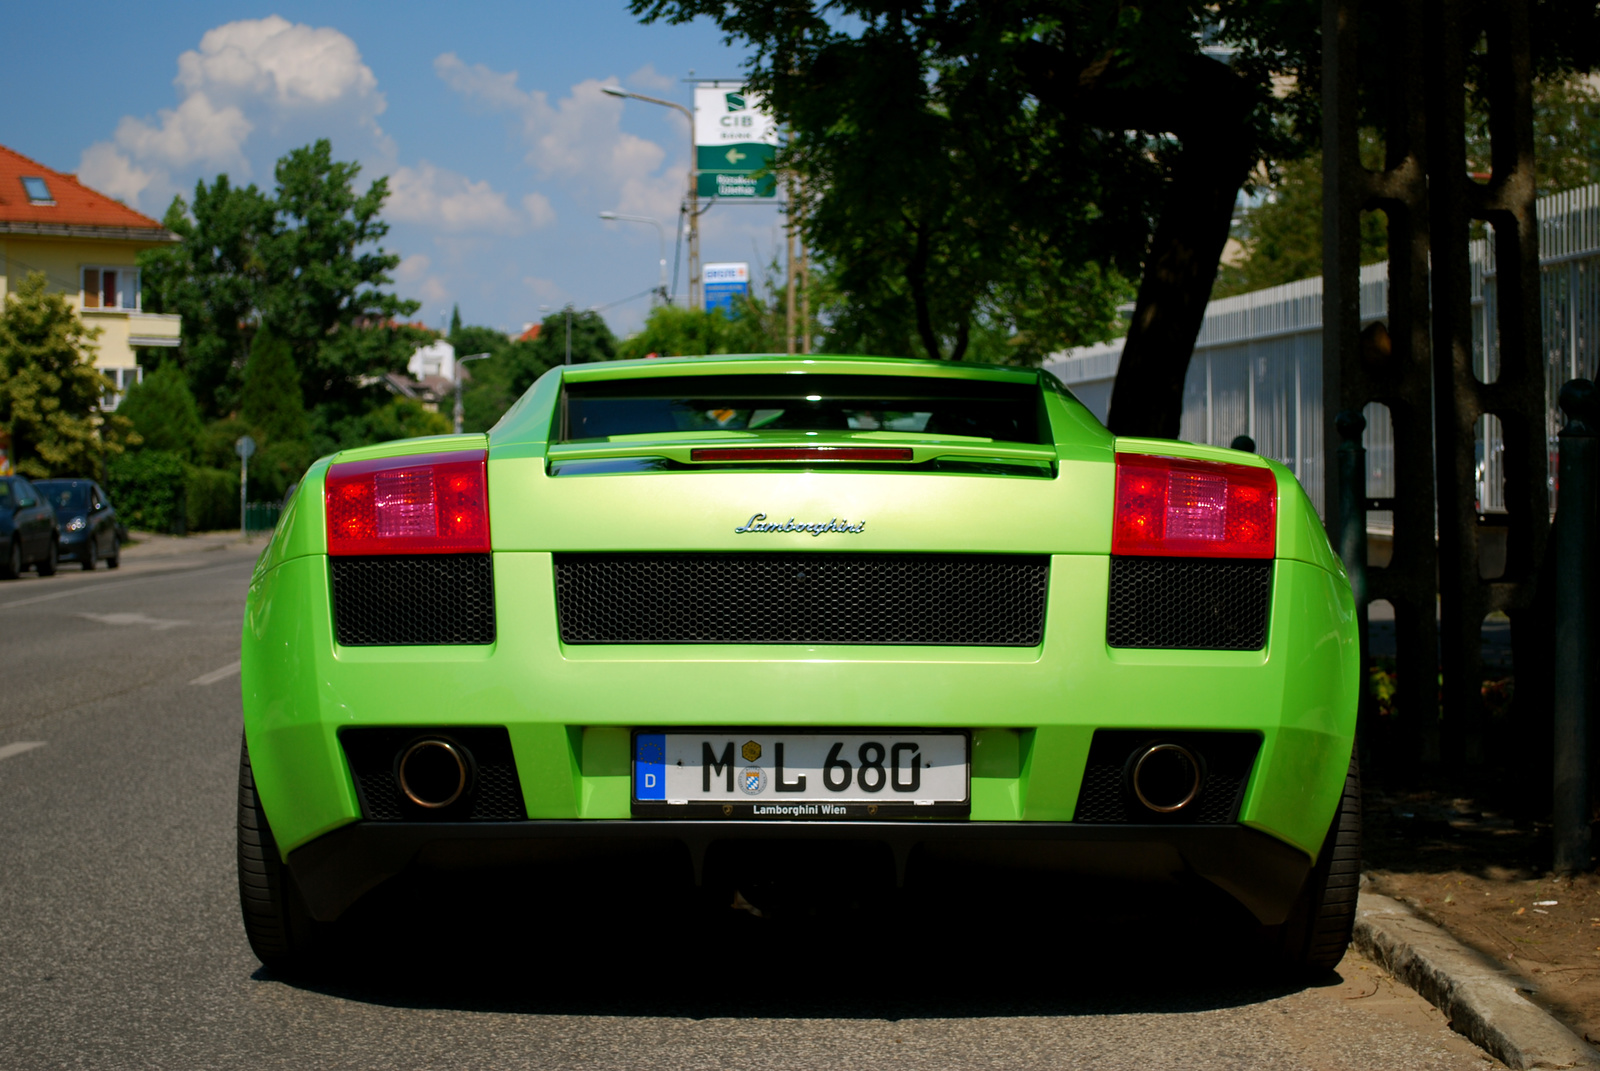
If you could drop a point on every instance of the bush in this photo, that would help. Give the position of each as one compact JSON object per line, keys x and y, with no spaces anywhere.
{"x":148,"y":488}
{"x":213,"y":498}
{"x":274,"y":468}
{"x":163,"y":411}
{"x":215,"y":447}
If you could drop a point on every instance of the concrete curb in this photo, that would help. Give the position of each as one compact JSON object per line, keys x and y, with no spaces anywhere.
{"x":1480,"y":999}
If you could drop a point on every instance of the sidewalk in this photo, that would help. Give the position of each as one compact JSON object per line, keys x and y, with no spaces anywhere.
{"x":144,"y":545}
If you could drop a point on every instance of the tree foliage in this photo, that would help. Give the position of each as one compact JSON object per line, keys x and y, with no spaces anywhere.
{"x":163,"y":412}
{"x":306,"y":259}
{"x":322,"y":277}
{"x":50,"y":390}
{"x":213,"y":278}
{"x":995,"y":171}
{"x":271,"y":402}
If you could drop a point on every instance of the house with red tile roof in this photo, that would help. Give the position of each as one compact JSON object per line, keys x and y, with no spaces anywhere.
{"x":87,"y":245}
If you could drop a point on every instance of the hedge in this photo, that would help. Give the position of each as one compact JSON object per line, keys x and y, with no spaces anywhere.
{"x":157,"y":491}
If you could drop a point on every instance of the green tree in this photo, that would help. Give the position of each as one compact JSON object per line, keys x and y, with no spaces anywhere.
{"x":163,"y":411}
{"x":213,"y":279}
{"x":676,"y":331}
{"x":592,"y":340}
{"x":992,"y":171}
{"x":272,"y":401}
{"x":455,"y":321}
{"x":49,"y":389}
{"x":324,"y":275}
{"x":1282,"y":235}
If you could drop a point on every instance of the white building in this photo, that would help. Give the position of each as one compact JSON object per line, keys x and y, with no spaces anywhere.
{"x":435,"y":360}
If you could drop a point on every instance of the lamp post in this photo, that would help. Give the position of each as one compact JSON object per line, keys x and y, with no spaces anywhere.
{"x":459,"y":362}
{"x":695,"y":296}
{"x":666,"y":299}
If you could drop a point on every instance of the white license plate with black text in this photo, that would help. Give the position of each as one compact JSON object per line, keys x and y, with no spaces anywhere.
{"x":800,"y":775}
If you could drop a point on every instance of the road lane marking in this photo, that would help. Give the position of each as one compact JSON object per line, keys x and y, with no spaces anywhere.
{"x":17,"y":749}
{"x":217,"y":674}
{"x":159,"y":624}
{"x":87,"y":588}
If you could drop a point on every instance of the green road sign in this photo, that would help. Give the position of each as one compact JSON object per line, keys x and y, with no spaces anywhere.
{"x":740,"y":156}
{"x":735,"y":184}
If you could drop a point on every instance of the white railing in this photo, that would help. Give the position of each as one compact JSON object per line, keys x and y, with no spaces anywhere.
{"x":1257,"y":366}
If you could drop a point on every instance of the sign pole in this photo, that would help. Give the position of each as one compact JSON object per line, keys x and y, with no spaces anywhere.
{"x":244,"y":446}
{"x":788,"y":221}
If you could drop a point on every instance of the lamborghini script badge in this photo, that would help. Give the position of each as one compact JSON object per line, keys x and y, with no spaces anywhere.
{"x":758,"y":523}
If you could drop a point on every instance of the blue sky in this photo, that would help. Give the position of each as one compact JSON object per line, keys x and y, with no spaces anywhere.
{"x":488,"y":119}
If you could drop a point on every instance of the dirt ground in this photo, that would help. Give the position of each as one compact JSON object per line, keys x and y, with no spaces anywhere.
{"x":1487,"y":880}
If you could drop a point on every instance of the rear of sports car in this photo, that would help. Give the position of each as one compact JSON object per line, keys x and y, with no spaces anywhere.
{"x":669,"y":606}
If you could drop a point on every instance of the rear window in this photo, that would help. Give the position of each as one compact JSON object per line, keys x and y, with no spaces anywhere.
{"x":67,"y":496}
{"x":598,"y":410}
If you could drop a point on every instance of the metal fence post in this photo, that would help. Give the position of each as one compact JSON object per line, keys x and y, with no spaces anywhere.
{"x":1353,"y":505}
{"x":1350,"y":423}
{"x":1575,"y":582}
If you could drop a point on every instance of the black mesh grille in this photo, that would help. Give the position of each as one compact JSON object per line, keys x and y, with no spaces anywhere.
{"x":965,"y":600}
{"x":1189,"y":603}
{"x":493,"y":791}
{"x":1106,"y":794}
{"x":413,"y":599}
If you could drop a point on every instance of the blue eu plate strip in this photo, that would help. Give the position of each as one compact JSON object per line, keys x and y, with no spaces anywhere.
{"x":650,"y":766}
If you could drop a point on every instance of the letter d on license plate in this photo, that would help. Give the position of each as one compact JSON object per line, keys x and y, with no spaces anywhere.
{"x":800,"y":774}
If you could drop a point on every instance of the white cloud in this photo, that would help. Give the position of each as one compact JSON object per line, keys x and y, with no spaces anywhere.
{"x":105,"y":169}
{"x":268,"y":76}
{"x":272,"y":57}
{"x":433,"y":290}
{"x":436,"y":197}
{"x":578,"y":139}
{"x":412,"y":268}
{"x":647,"y":77}
{"x":539,"y":209}
{"x":197,"y":131}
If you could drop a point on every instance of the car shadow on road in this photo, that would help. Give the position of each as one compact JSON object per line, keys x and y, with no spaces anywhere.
{"x":992,"y":944}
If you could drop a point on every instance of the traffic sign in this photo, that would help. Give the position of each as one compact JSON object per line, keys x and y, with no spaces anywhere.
{"x":244,"y":447}
{"x":734,"y":139}
{"x":724,"y":282}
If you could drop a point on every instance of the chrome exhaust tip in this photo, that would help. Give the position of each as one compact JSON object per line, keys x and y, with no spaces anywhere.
{"x":1166,"y":778}
{"x":432,"y":773}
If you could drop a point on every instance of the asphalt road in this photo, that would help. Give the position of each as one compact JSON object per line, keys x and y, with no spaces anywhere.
{"x":120,"y":945}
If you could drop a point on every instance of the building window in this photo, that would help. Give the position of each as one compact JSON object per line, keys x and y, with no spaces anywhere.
{"x":111,"y":288}
{"x":38,"y":191}
{"x":121,"y":380}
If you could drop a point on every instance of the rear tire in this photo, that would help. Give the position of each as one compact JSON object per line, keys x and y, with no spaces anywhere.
{"x":1317,"y":933}
{"x":11,"y":565}
{"x":280,"y":932}
{"x":52,"y":558}
{"x":114,"y":559}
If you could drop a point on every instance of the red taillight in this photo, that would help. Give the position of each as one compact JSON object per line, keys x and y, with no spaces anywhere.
{"x":1171,"y":507}
{"x":427,"y":504}
{"x":801,"y":453}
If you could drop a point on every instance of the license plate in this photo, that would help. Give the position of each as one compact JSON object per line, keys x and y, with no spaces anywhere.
{"x":800,"y":774}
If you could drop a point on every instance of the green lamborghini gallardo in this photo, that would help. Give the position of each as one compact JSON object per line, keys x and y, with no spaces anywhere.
{"x":686,"y":604}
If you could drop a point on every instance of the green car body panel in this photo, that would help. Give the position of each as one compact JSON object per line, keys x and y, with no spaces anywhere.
{"x":569,"y":710}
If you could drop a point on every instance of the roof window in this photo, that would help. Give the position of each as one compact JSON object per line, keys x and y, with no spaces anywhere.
{"x":38,"y":192}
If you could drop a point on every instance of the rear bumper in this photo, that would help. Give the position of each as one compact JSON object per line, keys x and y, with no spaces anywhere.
{"x":1261,"y":872}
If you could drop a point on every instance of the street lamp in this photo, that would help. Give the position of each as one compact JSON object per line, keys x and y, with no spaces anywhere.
{"x":694,"y":208}
{"x":459,"y":362}
{"x":660,"y":233}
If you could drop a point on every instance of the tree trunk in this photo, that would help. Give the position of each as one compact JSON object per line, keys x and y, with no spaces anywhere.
{"x":1208,"y":109}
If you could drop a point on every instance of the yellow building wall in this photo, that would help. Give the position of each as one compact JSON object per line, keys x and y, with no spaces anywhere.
{"x":62,"y":261}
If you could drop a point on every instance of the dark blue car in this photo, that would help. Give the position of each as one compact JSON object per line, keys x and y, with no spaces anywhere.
{"x":88,"y":525}
{"x":27,"y":529}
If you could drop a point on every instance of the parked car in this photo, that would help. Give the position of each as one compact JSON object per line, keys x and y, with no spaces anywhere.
{"x":88,"y":525}
{"x":27,"y":529}
{"x":927,"y":610}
